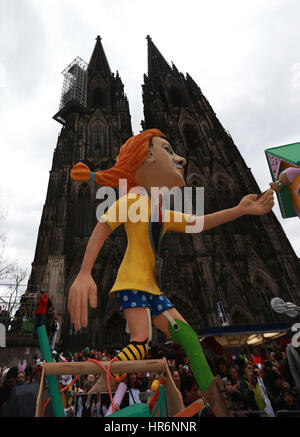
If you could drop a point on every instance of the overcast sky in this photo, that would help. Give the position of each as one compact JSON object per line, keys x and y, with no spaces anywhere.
{"x":244,"y":55}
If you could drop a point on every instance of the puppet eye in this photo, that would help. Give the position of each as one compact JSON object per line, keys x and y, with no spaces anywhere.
{"x":169,"y":150}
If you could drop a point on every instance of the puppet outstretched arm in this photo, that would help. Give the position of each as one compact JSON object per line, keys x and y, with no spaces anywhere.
{"x":84,"y":288}
{"x":249,"y":204}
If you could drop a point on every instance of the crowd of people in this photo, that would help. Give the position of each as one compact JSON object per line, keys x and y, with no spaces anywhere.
{"x":32,"y":310}
{"x":257,"y":381}
{"x":19,"y":318}
{"x":257,"y":384}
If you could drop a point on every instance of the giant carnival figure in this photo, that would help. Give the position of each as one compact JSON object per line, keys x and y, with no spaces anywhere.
{"x":147,"y":160}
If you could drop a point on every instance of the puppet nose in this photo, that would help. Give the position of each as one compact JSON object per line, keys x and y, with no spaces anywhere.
{"x":180,"y":160}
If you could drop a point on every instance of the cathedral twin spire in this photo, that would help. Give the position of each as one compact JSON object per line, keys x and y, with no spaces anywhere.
{"x":156,"y":62}
{"x":99,"y":64}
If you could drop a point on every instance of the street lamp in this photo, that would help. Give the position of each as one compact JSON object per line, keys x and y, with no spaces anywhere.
{"x":281,"y":307}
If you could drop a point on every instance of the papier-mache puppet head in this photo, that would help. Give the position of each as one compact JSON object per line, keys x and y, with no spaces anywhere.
{"x":145,"y":160}
{"x":284,"y":165}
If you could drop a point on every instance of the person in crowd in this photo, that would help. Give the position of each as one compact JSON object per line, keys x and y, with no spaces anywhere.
{"x":189,"y":389}
{"x":190,"y":392}
{"x":267,"y":368}
{"x":20,"y":378}
{"x":275,"y":368}
{"x":69,"y":357}
{"x":234,"y":376}
{"x":87,"y":352}
{"x":289,"y":401}
{"x":247,"y":385}
{"x":278,"y":359}
{"x":4,"y":395}
{"x":50,"y":316}
{"x":172,"y":363}
{"x":104,"y":356}
{"x":37,"y":375}
{"x":22,"y":366}
{"x":53,"y":330}
{"x":239,"y":408}
{"x":17,"y":321}
{"x":276,"y":383}
{"x":23,"y":298}
{"x":286,"y":372}
{"x":142,"y":381}
{"x":5,"y":318}
{"x":256,"y":358}
{"x":176,"y":378}
{"x":66,"y":395}
{"x":133,"y":388}
{"x":228,"y":386}
{"x":11,"y":377}
{"x":89,"y":383}
{"x":254,"y":393}
{"x":180,"y":369}
{"x":43,"y":306}
{"x":221,"y":367}
{"x":28,"y":374}
{"x":25,"y":316}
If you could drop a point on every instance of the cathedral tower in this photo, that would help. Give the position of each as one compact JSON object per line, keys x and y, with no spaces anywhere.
{"x":244,"y":263}
{"x":94,"y":114}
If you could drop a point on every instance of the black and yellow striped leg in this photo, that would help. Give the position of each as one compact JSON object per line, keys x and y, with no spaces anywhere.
{"x":135,"y":350}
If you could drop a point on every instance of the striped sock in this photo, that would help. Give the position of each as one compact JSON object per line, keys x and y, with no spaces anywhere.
{"x":135,"y":350}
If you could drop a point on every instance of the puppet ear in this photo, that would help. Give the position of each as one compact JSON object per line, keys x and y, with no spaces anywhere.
{"x":80,"y":172}
{"x":149,"y":155}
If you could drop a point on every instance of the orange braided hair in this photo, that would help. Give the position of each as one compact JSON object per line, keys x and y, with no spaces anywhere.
{"x":132,"y":155}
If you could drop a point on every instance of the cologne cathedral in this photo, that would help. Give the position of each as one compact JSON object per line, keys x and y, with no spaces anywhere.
{"x":243,"y":264}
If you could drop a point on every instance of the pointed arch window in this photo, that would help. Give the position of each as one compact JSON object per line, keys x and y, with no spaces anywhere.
{"x":263,"y":286}
{"x":191,"y":137}
{"x":100,"y":98}
{"x":97,"y":135}
{"x":225,"y":189}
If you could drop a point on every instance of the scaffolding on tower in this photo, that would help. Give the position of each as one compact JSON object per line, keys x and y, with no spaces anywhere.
{"x":74,"y":90}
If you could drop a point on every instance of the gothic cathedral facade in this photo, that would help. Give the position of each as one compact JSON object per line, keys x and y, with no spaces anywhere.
{"x":243,"y":264}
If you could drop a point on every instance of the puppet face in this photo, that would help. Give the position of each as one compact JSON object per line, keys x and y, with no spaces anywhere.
{"x":162,"y":167}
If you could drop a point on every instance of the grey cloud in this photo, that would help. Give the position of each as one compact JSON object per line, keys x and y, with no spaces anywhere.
{"x":23,"y":47}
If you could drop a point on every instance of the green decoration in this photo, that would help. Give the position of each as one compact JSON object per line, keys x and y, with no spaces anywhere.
{"x":135,"y":410}
{"x":186,"y":336}
{"x":57,"y":405}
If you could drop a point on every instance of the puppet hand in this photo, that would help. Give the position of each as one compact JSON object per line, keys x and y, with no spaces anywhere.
{"x":80,"y":172}
{"x":82,"y":290}
{"x":253,"y":205}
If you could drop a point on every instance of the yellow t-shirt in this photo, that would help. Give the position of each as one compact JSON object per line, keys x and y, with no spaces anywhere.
{"x":137,"y":270}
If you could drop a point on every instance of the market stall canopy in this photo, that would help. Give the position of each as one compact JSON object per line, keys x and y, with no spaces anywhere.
{"x":253,"y":334}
